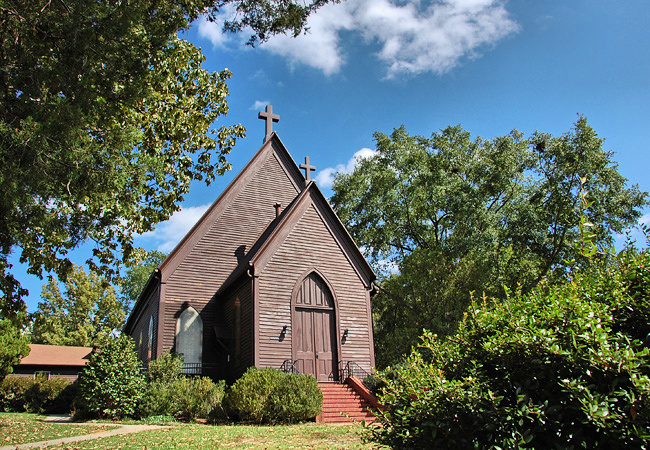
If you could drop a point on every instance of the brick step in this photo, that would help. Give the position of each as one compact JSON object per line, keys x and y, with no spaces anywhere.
{"x":336,"y":406}
{"x":348,"y":419}
{"x":344,"y":400}
{"x":345,"y":411}
{"x":343,"y":404}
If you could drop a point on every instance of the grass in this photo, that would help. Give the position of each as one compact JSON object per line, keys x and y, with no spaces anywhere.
{"x":20,"y":428}
{"x":236,"y":437}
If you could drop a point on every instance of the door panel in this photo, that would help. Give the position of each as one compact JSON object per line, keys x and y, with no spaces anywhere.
{"x":323,"y":344}
{"x":314,"y":329}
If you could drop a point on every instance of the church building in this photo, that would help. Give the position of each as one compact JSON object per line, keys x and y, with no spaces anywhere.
{"x":268,"y":277}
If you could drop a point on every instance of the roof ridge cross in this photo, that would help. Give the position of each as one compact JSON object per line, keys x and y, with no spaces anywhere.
{"x":269,"y":117}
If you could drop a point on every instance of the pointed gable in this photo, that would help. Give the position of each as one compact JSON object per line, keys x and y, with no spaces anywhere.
{"x":230,"y":227}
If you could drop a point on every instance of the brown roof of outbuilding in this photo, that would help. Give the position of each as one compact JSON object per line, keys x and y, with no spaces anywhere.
{"x":56,"y":355}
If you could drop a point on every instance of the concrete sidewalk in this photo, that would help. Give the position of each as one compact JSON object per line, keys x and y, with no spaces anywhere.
{"x":123,"y":429}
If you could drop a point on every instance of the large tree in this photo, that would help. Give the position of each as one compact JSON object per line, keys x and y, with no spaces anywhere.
{"x":137,"y":275}
{"x":87,"y":312}
{"x":14,"y":345}
{"x":451,"y":214}
{"x":106,"y":117}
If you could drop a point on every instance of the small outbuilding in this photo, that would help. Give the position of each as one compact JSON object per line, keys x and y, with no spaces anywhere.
{"x":53,"y":361}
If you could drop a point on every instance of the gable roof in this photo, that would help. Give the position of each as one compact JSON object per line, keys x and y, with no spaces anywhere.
{"x":273,"y":144}
{"x":56,"y":355}
{"x":280,"y":228}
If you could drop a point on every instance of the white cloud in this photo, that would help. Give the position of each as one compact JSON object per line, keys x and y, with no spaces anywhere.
{"x":413,"y":38}
{"x":320,"y":46}
{"x":325,"y":177}
{"x":213,"y":32}
{"x":170,"y":232}
{"x":259,"y":105}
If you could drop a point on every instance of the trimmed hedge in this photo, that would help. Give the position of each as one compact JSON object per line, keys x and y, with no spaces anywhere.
{"x":36,"y":395}
{"x":566,"y":366}
{"x":272,"y":396}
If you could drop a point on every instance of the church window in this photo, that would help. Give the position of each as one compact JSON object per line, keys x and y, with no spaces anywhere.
{"x":150,"y":338}
{"x":189,"y":336}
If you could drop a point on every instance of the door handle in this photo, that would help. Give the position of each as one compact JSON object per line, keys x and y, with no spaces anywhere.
{"x":316,"y":355}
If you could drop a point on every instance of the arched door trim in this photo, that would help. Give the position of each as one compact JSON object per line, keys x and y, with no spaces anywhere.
{"x":334,"y":309}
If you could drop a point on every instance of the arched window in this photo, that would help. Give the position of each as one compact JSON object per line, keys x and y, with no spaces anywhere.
{"x":150,"y":339}
{"x":189,"y":336}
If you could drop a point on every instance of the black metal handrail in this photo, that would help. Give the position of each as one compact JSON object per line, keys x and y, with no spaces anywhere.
{"x":199,"y":368}
{"x":289,"y":366}
{"x":349,"y":369}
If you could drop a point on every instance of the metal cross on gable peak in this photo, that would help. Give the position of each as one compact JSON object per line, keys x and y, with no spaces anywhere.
{"x":307,"y":168}
{"x":269,"y":117}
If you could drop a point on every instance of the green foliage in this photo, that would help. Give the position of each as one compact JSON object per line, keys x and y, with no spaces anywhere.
{"x":36,"y":395}
{"x":566,"y":366}
{"x":443,"y":216}
{"x":267,"y":18}
{"x":199,"y":397}
{"x":167,"y":368}
{"x":169,"y":394}
{"x":138,"y":273}
{"x":111,"y":384}
{"x":88,"y":312}
{"x":271,"y":396}
{"x":107,"y":117}
{"x":13,"y":346}
{"x":184,"y":398}
{"x":296,"y":399}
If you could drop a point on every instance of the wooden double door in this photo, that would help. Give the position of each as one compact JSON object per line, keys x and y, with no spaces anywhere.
{"x":314,"y":330}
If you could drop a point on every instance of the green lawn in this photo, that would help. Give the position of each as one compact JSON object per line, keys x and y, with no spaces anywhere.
{"x":237,"y":437}
{"x":22,"y":428}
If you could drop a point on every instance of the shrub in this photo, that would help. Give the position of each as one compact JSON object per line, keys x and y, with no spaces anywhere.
{"x":159,"y":399}
{"x":169,"y":394}
{"x":167,"y":368}
{"x":111,"y":384}
{"x":36,"y":395}
{"x":199,"y":397}
{"x":566,"y":366}
{"x":271,"y":396}
{"x":295,"y":399}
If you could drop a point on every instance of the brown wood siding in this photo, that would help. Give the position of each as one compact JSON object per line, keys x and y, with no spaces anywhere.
{"x":198,"y":277}
{"x":310,"y":244}
{"x":142,"y":325}
{"x":242,"y":345}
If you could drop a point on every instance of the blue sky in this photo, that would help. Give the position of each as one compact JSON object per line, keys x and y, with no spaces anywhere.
{"x":373,"y":65}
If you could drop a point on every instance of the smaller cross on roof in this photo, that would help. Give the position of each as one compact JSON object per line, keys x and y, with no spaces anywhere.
{"x":270,"y":118}
{"x":307,"y":168}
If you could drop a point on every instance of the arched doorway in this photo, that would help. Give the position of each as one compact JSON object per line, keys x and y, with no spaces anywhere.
{"x":314,"y":329}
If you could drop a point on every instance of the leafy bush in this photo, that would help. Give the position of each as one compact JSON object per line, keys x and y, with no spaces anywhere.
{"x":566,"y":366}
{"x":199,"y":397}
{"x":111,"y":384}
{"x":169,"y":394}
{"x":168,"y":367}
{"x":36,"y":395}
{"x":271,"y":396}
{"x":297,"y":398}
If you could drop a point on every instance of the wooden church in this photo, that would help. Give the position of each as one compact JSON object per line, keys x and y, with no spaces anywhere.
{"x":268,"y":277}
